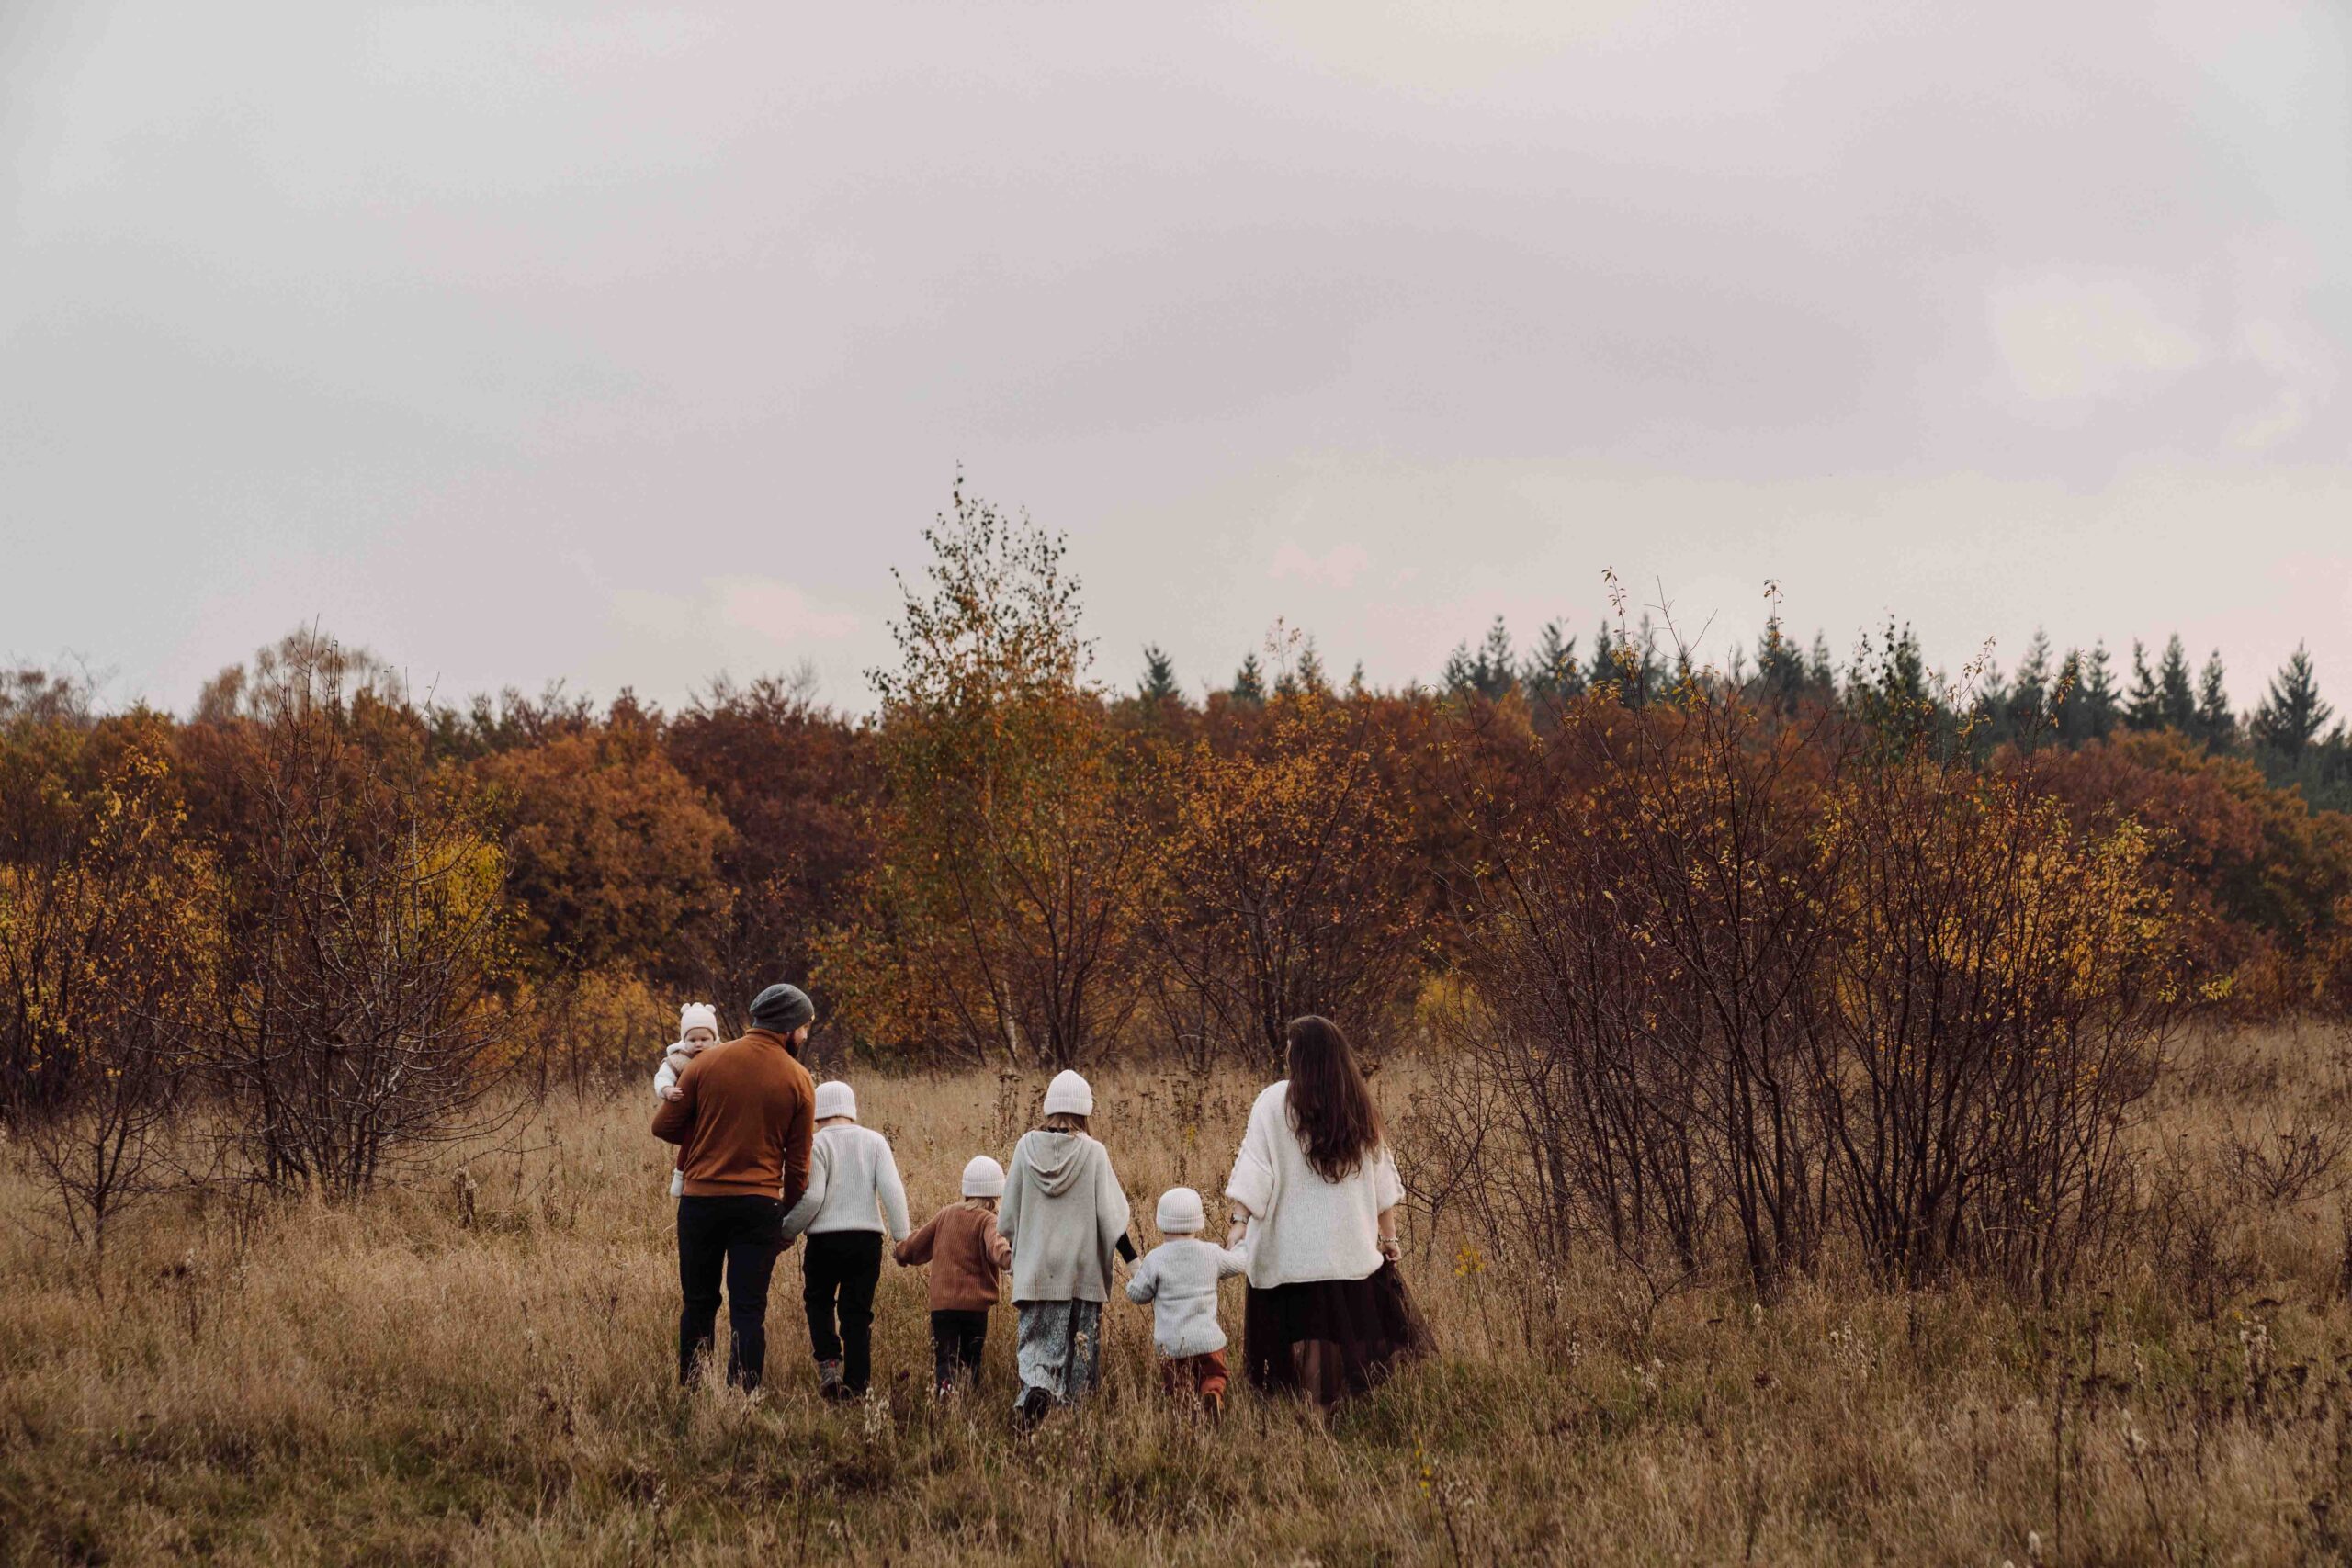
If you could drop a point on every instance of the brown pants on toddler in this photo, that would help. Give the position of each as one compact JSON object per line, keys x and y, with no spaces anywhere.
{"x":1202,"y":1377}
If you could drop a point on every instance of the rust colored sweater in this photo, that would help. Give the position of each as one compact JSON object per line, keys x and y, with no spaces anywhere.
{"x":965,"y":1253}
{"x":745,"y":1113}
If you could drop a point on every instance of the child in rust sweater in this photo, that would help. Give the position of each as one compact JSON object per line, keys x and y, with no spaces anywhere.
{"x":965,"y":1255}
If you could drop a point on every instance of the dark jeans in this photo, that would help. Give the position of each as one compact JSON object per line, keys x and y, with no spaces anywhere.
{"x":956,"y":1340}
{"x":739,"y":1237}
{"x":842,"y":1265}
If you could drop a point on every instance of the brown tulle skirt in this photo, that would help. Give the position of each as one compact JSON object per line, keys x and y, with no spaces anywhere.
{"x":1330,"y":1338}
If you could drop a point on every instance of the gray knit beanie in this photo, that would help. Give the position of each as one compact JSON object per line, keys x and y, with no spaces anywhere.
{"x":783,"y":1009}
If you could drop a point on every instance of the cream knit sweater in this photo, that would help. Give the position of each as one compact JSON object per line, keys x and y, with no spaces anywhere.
{"x":1305,"y":1227}
{"x":853,"y":1185}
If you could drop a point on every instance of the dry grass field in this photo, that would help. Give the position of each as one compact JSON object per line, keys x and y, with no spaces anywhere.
{"x":479,"y":1371}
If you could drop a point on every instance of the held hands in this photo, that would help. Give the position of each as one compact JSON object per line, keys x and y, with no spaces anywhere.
{"x":673,"y":1092}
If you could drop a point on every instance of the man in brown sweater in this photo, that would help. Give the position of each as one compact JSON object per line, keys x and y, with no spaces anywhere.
{"x":744,"y":1118}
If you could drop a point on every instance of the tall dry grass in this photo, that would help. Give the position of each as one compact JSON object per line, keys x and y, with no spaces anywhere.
{"x":481,"y":1371}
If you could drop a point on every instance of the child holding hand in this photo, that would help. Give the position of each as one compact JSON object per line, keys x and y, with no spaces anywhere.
{"x":1179,"y":1278}
{"x":1066,"y":1216}
{"x":853,"y":1196}
{"x":965,"y":1254}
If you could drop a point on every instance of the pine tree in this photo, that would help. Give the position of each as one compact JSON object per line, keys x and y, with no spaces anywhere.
{"x":2069,"y":719}
{"x":2175,"y":698}
{"x":1460,"y":676}
{"x":1552,"y":673}
{"x":1779,"y":669}
{"x":2291,"y":715}
{"x":1649,"y":675}
{"x":2141,"y":708}
{"x":1609,"y":665}
{"x":2217,"y":727}
{"x":1355,"y":680}
{"x":1992,"y":700}
{"x":1250,"y":681}
{"x":1159,"y":676}
{"x":2102,"y":709}
{"x":1496,"y":670}
{"x":1820,"y":671}
{"x":1905,"y":677}
{"x":2029,"y":697}
{"x":1889,"y":686}
{"x":1311,"y":675}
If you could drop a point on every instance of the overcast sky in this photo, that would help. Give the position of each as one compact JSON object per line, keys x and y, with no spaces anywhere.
{"x":623,"y":346}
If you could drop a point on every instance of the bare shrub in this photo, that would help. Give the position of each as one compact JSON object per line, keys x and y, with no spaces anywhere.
{"x":1554,"y":1123}
{"x":1990,"y":1014}
{"x":368,"y":921}
{"x":1718,"y":800}
{"x":1649,"y":918}
{"x":2285,"y":1157}
{"x":2188,"y":1235}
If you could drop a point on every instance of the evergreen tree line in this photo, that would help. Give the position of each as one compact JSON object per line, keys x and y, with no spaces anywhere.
{"x":2051,"y":698}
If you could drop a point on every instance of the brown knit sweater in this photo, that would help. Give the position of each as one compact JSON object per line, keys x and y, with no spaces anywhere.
{"x":964,"y":1254}
{"x":742,"y":1120}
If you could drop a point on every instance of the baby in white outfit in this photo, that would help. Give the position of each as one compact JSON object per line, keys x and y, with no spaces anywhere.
{"x":697,"y":1032}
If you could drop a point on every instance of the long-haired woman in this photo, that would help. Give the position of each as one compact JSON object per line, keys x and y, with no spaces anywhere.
{"x":1315,"y":1197}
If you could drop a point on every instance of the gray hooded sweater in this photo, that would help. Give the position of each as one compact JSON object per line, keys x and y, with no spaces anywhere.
{"x":1063,"y":1213}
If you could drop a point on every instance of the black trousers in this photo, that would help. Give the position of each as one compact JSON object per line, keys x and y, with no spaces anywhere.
{"x":737,"y":1238}
{"x":956,"y":1340}
{"x":841,"y":1270}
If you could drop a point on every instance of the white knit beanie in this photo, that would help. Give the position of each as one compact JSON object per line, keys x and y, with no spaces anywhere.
{"x":1180,"y":1210}
{"x":983,"y":1177}
{"x":835,"y":1098}
{"x":1069,"y":1094}
{"x":698,"y":1015}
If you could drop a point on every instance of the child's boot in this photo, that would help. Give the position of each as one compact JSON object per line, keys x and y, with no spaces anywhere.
{"x":1032,"y":1410}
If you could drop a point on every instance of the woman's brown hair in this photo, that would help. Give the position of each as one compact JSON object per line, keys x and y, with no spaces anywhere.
{"x":1330,"y":1109}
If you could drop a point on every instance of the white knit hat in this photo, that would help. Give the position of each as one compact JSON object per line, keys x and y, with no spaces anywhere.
{"x":698,"y":1015}
{"x":1069,"y":1093}
{"x":983,"y":1177}
{"x":1180,"y":1210}
{"x":835,"y":1098}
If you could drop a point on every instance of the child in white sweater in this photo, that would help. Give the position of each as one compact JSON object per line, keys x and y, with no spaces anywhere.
{"x":697,"y":1032}
{"x":1178,"y":1278}
{"x":853,"y":1195}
